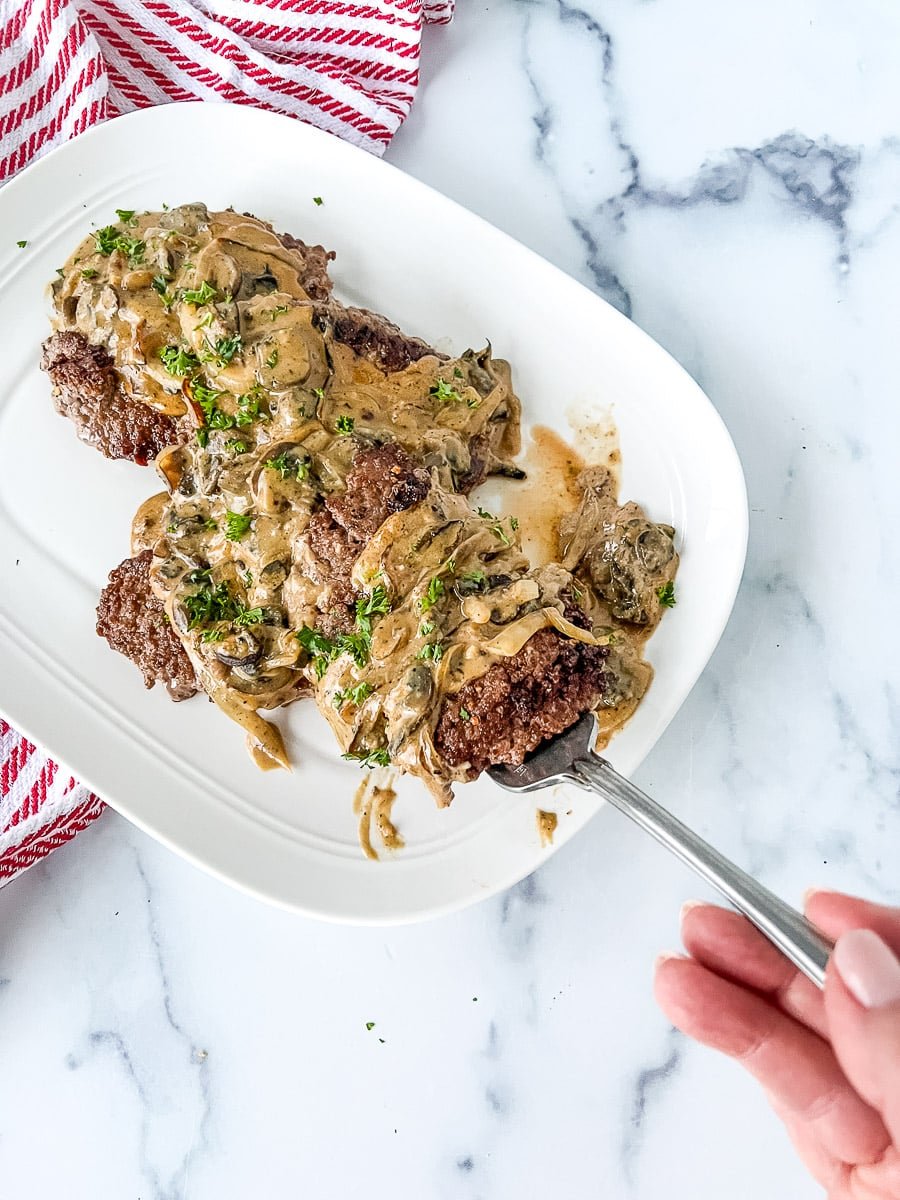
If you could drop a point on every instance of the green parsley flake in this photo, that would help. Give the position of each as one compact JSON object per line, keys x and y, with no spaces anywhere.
{"x":201,"y":295}
{"x":160,"y":285}
{"x":126,"y":216}
{"x":370,"y":758}
{"x":22,"y":244}
{"x":318,"y":201}
{"x":433,"y":593}
{"x":236,"y":525}
{"x":444,"y":391}
{"x":666,"y":594}
{"x":272,"y":360}
{"x":370,"y":1025}
{"x":465,"y":715}
{"x":289,"y":467}
{"x":433,"y":651}
{"x":497,"y":525}
{"x":109,"y":239}
{"x":353,"y":695}
{"x":180,"y":362}
{"x":227,"y":348}
{"x":368,"y":606}
{"x":89,"y":273}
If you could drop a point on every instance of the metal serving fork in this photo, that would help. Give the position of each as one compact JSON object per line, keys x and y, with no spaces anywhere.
{"x":570,"y":758}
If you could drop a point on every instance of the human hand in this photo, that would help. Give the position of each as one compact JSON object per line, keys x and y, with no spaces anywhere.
{"x":829,"y":1061}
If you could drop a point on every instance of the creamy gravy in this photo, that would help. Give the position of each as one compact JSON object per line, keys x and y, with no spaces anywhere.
{"x":546,"y":825}
{"x":205,"y":314}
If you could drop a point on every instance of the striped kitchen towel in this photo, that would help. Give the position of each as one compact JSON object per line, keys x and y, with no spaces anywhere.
{"x":352,"y":69}
{"x":349,"y":68}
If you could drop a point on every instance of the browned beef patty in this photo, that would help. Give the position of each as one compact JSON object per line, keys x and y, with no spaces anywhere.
{"x":133,"y":621}
{"x":314,"y":276}
{"x":335,"y":553}
{"x":382,"y":480}
{"x":376,"y":338}
{"x":86,"y":389}
{"x":507,"y":712}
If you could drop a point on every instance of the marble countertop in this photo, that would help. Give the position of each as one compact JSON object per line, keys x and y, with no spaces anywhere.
{"x":729,"y":177}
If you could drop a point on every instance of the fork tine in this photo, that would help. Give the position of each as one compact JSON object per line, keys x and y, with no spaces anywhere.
{"x":550,"y":763}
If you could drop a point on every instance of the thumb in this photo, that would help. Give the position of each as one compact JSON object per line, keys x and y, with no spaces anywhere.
{"x":862,"y":1006}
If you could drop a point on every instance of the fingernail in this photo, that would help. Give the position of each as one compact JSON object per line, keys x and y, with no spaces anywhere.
{"x":868,"y":967}
{"x":687,"y":906}
{"x":812,"y":891}
{"x":665,"y":957}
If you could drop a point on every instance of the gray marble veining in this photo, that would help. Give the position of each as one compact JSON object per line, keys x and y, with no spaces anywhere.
{"x":729,"y":178}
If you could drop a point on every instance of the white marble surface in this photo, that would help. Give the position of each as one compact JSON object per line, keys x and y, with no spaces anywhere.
{"x":729,"y":175}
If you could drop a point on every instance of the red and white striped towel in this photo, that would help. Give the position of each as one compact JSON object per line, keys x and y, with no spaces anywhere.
{"x":349,"y":68}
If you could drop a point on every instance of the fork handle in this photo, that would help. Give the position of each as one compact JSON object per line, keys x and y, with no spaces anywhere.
{"x":797,"y":938}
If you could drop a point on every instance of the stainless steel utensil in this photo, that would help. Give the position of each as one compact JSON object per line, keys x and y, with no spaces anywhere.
{"x":570,"y":758}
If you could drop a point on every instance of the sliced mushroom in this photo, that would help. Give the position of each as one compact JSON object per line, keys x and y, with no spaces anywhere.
{"x":239,"y":650}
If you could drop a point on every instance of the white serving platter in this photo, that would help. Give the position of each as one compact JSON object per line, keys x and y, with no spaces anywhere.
{"x":181,"y":772}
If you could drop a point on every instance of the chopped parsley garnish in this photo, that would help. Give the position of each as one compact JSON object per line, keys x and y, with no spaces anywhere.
{"x":272,"y":360}
{"x":236,"y":446}
{"x":236,"y":525}
{"x":354,"y":695}
{"x":425,"y":628}
{"x":210,"y":604}
{"x":319,"y":393}
{"x":318,"y":646}
{"x":249,"y":616}
{"x":249,"y":410}
{"x":160,"y":285}
{"x":109,"y":239}
{"x":126,"y":215}
{"x":202,"y":436}
{"x":201,"y":295}
{"x":344,"y":425}
{"x":432,"y":650}
{"x":89,"y":273}
{"x":289,"y":467}
{"x":318,"y":201}
{"x":370,"y":1025}
{"x":465,"y":715}
{"x":278,"y":310}
{"x":666,"y":594}
{"x":324,"y":650}
{"x":433,"y":593}
{"x":212,"y":635}
{"x":497,"y":525}
{"x":457,"y":373}
{"x":471,"y":581}
{"x":206,"y":397}
{"x":375,"y":603}
{"x":357,"y":645}
{"x":227,"y":348}
{"x":22,"y":244}
{"x":204,"y":323}
{"x":180,"y":362}
{"x":370,"y":758}
{"x":444,"y":391}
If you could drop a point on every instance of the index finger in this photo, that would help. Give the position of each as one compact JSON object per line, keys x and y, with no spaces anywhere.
{"x":836,"y":912}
